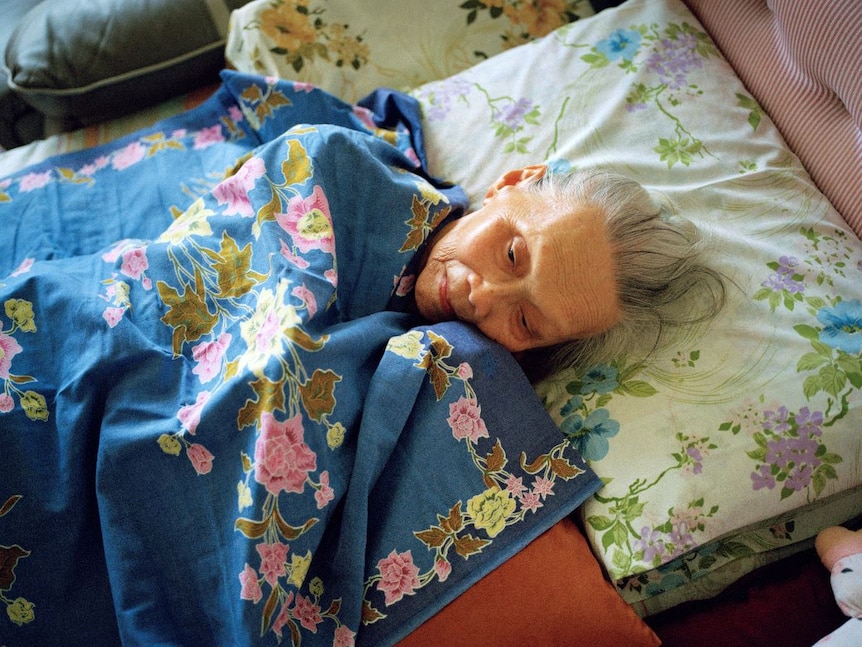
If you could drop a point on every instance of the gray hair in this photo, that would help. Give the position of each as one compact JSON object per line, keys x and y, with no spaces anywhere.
{"x":662,"y":279}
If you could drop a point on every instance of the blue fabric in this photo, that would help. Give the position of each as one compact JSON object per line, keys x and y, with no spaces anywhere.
{"x":220,"y":424}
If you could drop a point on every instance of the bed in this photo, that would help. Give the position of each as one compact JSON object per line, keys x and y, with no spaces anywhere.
{"x":669,"y":497}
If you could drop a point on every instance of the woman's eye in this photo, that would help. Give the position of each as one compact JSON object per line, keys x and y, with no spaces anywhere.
{"x":524,"y":323}
{"x":511,"y":254}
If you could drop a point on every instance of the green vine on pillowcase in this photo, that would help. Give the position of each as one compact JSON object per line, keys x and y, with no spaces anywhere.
{"x":587,"y":424}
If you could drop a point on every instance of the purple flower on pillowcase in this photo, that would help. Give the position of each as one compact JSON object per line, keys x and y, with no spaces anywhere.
{"x":651,"y":543}
{"x":512,"y":116}
{"x":675,"y":59}
{"x":438,"y":98}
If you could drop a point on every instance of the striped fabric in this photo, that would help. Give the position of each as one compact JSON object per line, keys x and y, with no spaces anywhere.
{"x":802,"y":60}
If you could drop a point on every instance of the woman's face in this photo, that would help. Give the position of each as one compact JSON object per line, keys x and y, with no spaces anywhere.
{"x":526,"y":274}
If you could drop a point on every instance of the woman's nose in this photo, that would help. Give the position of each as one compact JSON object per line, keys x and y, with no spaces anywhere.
{"x":486,"y":295}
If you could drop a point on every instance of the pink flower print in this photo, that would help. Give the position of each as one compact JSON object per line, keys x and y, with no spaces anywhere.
{"x":24,"y":267}
{"x":543,"y":487}
{"x":344,"y":637}
{"x":325,"y":494}
{"x":530,"y":501}
{"x":113,"y":254}
{"x":442,"y":568}
{"x":96,"y":165}
{"x":404,"y":285}
{"x":113,"y":315}
{"x":190,"y":414}
{"x":299,"y":86}
{"x":235,"y":114}
{"x":300,"y":262}
{"x":308,"y":299}
{"x":282,"y":460}
{"x":201,"y":458}
{"x":272,"y":561}
{"x":308,"y":222}
{"x":8,"y":349}
{"x":250,"y":586}
{"x":307,"y":613}
{"x":135,"y":263}
{"x":466,"y":421}
{"x":399,"y":576}
{"x":233,"y":191}
{"x":283,"y":616}
{"x":365,"y":116}
{"x":206,"y":137}
{"x":208,"y":356}
{"x":515,"y":485}
{"x":128,"y":156}
{"x":332,"y":277}
{"x":6,"y":403}
{"x":33,"y":181}
{"x":465,"y":371}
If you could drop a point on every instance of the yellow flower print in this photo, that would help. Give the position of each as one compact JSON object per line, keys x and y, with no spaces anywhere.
{"x":430,"y":194}
{"x":538,"y":17}
{"x":288,"y":28}
{"x":316,"y":586}
{"x":409,"y":345}
{"x":20,"y":611}
{"x":34,"y":405}
{"x":170,"y":444}
{"x":490,"y":509}
{"x":244,"y":496}
{"x":299,"y":568}
{"x":21,"y":313}
{"x":335,"y":435}
{"x":192,"y":222}
{"x":264,"y":332}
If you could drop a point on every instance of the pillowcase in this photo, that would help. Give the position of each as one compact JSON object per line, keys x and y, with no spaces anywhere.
{"x":97,"y":59}
{"x":551,"y":593}
{"x":350,"y":47}
{"x":737,"y":441}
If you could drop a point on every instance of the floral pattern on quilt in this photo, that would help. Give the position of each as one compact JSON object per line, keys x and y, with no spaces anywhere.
{"x":20,"y":322}
{"x":19,"y":610}
{"x":249,"y":381}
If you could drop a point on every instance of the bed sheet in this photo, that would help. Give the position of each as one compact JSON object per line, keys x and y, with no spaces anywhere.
{"x":738,"y":440}
{"x":220,"y":423}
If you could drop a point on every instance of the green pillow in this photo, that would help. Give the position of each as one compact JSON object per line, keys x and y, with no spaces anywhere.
{"x":96,"y":59}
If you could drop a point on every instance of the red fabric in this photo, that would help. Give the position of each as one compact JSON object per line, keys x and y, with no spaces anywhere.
{"x":551,"y":594}
{"x":789,"y":603}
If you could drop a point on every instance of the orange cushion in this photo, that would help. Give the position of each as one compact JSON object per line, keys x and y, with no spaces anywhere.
{"x":551,"y":593}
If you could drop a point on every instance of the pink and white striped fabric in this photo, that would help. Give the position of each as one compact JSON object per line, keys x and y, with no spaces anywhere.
{"x":802,"y":60}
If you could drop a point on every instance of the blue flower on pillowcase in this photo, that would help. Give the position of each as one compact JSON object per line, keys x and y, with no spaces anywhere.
{"x":590,"y":435}
{"x":603,"y":378}
{"x":558,"y":166}
{"x":842,"y":326}
{"x":623,"y":43}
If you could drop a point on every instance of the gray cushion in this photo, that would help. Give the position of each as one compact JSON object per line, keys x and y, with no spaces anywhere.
{"x":100,"y":58}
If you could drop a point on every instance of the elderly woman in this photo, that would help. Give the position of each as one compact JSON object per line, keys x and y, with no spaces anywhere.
{"x":575,"y":267}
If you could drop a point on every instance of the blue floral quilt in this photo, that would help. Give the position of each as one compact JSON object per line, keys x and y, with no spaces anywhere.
{"x":219,"y":422}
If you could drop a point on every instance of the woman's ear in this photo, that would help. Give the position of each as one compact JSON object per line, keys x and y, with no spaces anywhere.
{"x":515,"y":177}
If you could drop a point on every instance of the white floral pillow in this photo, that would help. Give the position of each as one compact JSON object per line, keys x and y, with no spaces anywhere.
{"x":350,"y":47}
{"x":735,"y":445}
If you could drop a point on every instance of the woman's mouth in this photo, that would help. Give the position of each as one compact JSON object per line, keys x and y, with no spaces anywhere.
{"x":447,"y":308}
